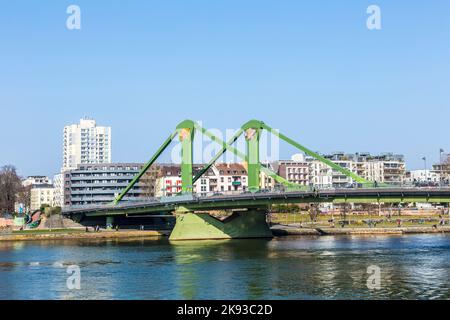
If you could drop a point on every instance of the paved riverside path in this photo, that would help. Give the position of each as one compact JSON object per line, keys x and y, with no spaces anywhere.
{"x":282,"y":230}
{"x":79,"y":235}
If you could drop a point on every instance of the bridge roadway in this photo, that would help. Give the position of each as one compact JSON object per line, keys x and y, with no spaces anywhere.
{"x":262,"y":200}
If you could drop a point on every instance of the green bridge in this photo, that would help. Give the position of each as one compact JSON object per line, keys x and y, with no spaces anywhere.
{"x":248,"y":220}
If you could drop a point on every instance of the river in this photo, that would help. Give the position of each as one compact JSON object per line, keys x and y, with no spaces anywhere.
{"x":412,"y":267}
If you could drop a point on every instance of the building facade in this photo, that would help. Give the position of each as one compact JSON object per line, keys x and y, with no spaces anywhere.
{"x":220,"y":178}
{"x":266,"y":181}
{"x":384,"y":168}
{"x":58,"y":192}
{"x":93,"y":184}
{"x":423,"y":177}
{"x":321,"y":175}
{"x":86,"y":143}
{"x":443,"y":169}
{"x":36,"y":180}
{"x":230,"y":177}
{"x":41,"y":194}
{"x":295,"y":171}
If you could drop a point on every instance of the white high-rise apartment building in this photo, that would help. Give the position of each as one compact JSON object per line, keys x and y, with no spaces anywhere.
{"x":86,"y":143}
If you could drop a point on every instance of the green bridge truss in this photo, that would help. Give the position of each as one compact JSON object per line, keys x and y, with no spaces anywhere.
{"x":186,"y":131}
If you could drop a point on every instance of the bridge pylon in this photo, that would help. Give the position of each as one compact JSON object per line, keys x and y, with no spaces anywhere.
{"x":250,"y":223}
{"x":252,"y":131}
{"x":186,"y":134}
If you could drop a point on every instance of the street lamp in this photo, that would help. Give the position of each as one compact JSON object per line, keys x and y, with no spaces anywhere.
{"x":425,"y":167}
{"x":441,"y":167}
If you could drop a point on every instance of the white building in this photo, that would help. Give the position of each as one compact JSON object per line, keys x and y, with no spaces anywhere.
{"x":58,"y":193}
{"x":41,"y":194}
{"x":266,"y":181}
{"x":222,"y":177}
{"x":421,"y":176}
{"x":384,"y":168}
{"x":321,"y":175}
{"x":36,"y":180}
{"x":230,"y":177}
{"x":86,"y":143}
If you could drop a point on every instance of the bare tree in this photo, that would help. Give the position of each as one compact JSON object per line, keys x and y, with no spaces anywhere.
{"x":149,"y":181}
{"x":10,"y":185}
{"x":345,"y":208}
{"x":24,"y":196}
{"x":314,"y":211}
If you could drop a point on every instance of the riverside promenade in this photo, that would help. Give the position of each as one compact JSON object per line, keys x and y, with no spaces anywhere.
{"x":296,"y":230}
{"x":278,"y":231}
{"x":77,"y":234}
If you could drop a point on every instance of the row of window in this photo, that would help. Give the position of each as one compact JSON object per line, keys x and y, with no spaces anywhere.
{"x":119,"y":168}
{"x":234,"y":172}
{"x":104,"y":174}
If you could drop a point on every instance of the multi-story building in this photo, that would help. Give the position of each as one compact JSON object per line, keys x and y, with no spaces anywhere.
{"x":418,"y":177}
{"x":321,"y":175}
{"x":36,"y":180}
{"x":296,"y":170}
{"x":58,"y":193}
{"x":219,"y":178}
{"x":170,"y":181}
{"x":347,"y":161}
{"x":230,"y":177}
{"x":40,"y":195}
{"x":267,"y":182}
{"x":91,"y":184}
{"x":29,"y":183}
{"x":86,"y":143}
{"x":443,"y":169}
{"x":385,"y":168}
{"x":388,"y":168}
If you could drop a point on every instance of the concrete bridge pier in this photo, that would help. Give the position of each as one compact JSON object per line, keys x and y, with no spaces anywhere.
{"x":109,"y":223}
{"x":202,"y":226}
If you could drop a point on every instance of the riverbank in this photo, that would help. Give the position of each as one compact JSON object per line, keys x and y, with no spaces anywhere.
{"x":76,"y":234}
{"x":293,"y":230}
{"x":278,"y":231}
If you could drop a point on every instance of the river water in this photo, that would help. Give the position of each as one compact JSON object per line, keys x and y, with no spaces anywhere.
{"x":412,"y":267}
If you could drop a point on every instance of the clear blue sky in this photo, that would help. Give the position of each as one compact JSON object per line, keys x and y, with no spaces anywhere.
{"x":310,"y":68}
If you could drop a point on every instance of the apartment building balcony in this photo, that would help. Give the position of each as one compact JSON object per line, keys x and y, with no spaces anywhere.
{"x":116,"y":185}
{"x":103,"y":192}
{"x":103,"y":199}
{"x":102,"y":177}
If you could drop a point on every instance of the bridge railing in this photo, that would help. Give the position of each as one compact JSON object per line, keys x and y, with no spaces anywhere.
{"x":276,"y":190}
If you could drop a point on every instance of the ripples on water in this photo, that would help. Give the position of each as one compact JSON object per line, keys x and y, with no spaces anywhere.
{"x":413,"y":267}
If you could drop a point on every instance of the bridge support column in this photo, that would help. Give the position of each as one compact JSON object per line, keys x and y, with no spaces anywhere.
{"x":202,"y":226}
{"x":252,"y":136}
{"x":187,"y":132}
{"x":109,"y":223}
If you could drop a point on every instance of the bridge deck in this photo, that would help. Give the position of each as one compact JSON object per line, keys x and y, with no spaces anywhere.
{"x":264,"y":199}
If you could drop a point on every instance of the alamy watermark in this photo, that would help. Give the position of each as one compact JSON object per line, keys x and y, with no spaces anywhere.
{"x":73,"y":21}
{"x":204,"y":148}
{"x":74,"y":280}
{"x":374,"y":280}
{"x":374,"y":20}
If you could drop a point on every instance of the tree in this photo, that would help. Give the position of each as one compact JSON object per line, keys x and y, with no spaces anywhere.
{"x":24,"y":196}
{"x":345,"y":208}
{"x":314,"y":211}
{"x":10,"y":185}
{"x":149,"y":181}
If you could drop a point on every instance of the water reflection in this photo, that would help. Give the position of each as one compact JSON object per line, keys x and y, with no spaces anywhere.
{"x":413,"y":267}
